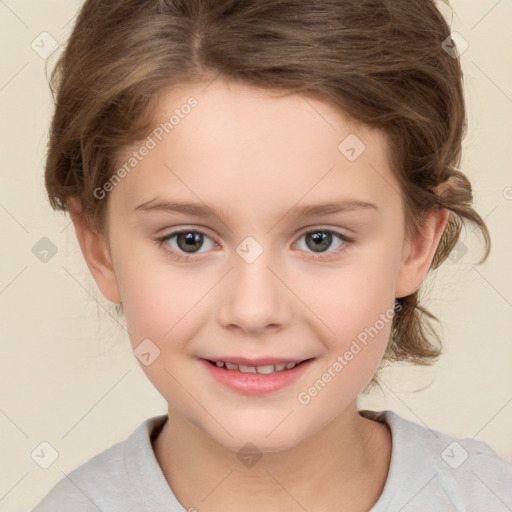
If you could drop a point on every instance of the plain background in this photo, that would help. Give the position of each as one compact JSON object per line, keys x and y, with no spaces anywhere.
{"x":67,"y":373}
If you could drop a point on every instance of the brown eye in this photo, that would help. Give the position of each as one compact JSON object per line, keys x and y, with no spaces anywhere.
{"x":189,"y":241}
{"x":192,"y":242}
{"x":318,"y":241}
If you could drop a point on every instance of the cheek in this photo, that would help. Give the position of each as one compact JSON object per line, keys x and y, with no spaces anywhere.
{"x":357,"y":306}
{"x":353,"y":298}
{"x":161,"y":300}
{"x":159,"y":304}
{"x":156,"y":295}
{"x":360,"y":312}
{"x":161,"y":309}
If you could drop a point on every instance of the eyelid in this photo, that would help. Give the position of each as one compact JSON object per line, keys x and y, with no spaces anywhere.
{"x":162,"y":240}
{"x":346,"y":239}
{"x":321,"y":227}
{"x":201,"y":231}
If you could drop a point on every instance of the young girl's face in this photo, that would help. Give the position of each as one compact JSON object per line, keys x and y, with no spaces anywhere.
{"x":261,"y":271}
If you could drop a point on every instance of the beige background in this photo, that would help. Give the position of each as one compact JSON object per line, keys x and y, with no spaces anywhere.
{"x":67,"y":374}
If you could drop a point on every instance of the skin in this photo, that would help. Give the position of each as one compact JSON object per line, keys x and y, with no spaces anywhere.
{"x":251,"y":156}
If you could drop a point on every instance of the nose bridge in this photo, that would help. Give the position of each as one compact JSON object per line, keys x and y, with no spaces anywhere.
{"x":255,"y":298}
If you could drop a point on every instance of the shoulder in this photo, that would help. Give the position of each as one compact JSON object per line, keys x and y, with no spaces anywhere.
{"x":106,"y":481}
{"x":462,"y":474}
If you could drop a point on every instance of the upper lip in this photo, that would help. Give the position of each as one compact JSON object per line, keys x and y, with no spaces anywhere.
{"x":260,"y":361}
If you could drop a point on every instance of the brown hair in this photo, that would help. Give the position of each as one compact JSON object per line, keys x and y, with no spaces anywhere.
{"x":380,"y":61}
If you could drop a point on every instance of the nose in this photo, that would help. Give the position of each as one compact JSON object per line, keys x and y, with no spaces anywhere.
{"x":255,"y":299}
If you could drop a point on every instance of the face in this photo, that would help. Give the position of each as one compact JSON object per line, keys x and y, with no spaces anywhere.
{"x":255,"y":269}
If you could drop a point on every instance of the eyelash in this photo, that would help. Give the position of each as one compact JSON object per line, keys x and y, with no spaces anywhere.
{"x":161,"y":241}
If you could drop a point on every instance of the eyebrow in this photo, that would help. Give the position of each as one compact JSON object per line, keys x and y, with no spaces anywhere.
{"x":202,"y":210}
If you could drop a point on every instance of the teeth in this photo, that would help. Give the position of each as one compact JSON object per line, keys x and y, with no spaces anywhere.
{"x":246,"y":369}
{"x":265,"y":370}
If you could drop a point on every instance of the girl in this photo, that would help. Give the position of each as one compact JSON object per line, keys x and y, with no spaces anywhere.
{"x":262,"y":186}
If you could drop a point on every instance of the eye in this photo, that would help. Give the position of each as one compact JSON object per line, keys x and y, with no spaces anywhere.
{"x":180,"y":244}
{"x":186,"y":241}
{"x":319,"y":240}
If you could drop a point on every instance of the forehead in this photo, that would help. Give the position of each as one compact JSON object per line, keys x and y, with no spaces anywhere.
{"x":214,"y":140}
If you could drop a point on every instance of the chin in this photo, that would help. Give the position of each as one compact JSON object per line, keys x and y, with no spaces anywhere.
{"x":257,"y":438}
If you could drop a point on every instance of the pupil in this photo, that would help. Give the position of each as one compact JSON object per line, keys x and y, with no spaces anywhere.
{"x":189,"y":242}
{"x":322,"y":240}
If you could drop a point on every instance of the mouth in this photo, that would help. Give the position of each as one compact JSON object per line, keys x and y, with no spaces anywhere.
{"x":256,"y":376}
{"x":262,"y":369}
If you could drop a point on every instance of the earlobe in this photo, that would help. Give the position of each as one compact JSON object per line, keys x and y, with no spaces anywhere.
{"x":96,"y":253}
{"x":419,"y":252}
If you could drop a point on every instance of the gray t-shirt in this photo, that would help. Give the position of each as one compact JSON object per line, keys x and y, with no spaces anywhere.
{"x":429,"y":470}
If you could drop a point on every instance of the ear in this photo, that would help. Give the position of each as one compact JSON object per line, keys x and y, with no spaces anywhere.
{"x":419,"y":252}
{"x":96,"y":252}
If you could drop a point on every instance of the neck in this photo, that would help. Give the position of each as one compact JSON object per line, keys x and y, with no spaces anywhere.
{"x":345,"y":464}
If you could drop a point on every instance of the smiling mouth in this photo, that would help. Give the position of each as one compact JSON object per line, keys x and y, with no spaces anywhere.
{"x":268,"y":369}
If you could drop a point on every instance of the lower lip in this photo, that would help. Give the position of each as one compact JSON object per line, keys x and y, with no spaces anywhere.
{"x":255,"y":383}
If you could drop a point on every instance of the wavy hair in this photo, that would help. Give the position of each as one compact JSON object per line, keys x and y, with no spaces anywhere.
{"x":381,"y":61}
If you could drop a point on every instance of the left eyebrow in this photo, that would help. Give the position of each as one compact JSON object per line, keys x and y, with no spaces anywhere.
{"x":332,"y":207}
{"x":202,"y":210}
